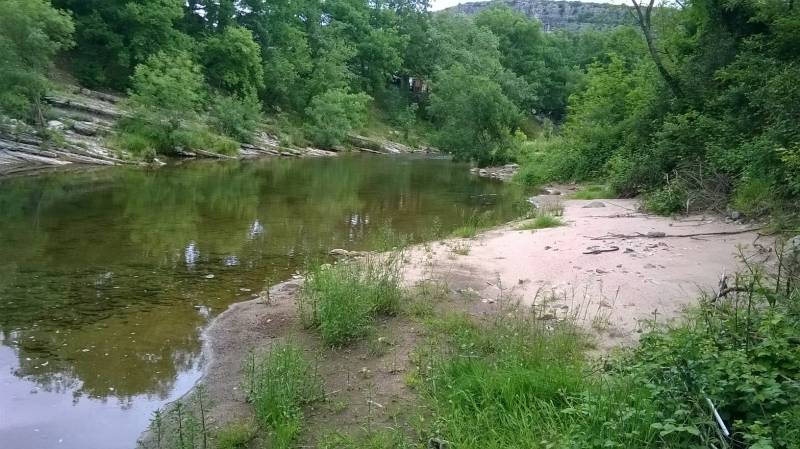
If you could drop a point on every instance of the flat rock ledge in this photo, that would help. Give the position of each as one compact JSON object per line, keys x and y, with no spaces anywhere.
{"x":502,"y":173}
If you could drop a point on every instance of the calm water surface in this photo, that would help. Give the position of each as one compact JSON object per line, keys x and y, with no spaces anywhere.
{"x":108,"y":277}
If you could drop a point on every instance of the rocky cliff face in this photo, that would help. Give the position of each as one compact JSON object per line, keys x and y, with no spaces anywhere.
{"x":556,"y":15}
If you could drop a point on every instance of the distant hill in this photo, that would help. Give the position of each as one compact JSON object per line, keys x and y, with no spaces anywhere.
{"x":556,"y":15}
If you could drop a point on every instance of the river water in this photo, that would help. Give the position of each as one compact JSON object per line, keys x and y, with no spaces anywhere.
{"x":108,"y":277}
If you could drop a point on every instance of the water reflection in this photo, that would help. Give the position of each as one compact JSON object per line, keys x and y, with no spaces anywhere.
{"x":108,"y":277}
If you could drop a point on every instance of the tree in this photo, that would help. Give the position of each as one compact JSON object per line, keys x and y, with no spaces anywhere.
{"x":31,"y":33}
{"x":114,"y":36}
{"x":335,"y":113}
{"x":474,"y":117}
{"x":644,"y":17}
{"x":232,"y":62}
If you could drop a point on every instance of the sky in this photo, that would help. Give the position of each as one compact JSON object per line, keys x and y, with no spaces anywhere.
{"x":441,"y":4}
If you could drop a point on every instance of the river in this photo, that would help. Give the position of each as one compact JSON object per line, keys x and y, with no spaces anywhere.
{"x":109,"y":276}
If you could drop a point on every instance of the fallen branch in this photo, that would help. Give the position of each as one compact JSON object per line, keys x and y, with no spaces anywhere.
{"x":601,"y":250}
{"x":661,"y":235}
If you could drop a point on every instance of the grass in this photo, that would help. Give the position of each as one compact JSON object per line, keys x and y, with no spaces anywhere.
{"x":279,"y":385}
{"x":518,"y":378}
{"x":473,"y":224}
{"x":343,"y":301}
{"x":234,"y":436}
{"x":514,"y":381}
{"x":593,"y":192}
{"x":541,"y":222}
{"x":383,"y":439}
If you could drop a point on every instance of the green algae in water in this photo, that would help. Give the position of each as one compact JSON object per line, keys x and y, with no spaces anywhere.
{"x":108,"y":277}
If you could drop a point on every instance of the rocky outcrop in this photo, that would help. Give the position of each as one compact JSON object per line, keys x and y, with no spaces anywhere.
{"x":382,"y":146}
{"x":503,"y":172}
{"x":560,"y":15}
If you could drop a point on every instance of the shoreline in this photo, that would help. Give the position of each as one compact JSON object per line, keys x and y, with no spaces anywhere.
{"x":610,"y":291}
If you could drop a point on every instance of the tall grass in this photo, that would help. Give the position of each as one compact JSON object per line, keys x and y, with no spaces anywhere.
{"x":279,"y":384}
{"x":473,"y":224}
{"x":541,"y":222}
{"x":342,"y":301}
{"x":521,"y":378}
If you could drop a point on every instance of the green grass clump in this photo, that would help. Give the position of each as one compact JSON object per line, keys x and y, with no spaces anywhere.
{"x":279,"y":385}
{"x":342,"y":301}
{"x":380,"y":439}
{"x":473,"y":224}
{"x":541,"y":222}
{"x":234,"y":436}
{"x":593,"y":192}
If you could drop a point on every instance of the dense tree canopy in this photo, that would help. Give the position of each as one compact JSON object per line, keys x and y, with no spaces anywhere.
{"x":31,"y":33}
{"x":703,"y":89}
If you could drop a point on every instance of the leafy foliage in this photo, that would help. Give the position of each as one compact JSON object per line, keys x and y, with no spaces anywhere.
{"x":31,"y":33}
{"x":167,"y":102}
{"x":335,"y":113}
{"x":727,"y":106}
{"x":232,"y":62}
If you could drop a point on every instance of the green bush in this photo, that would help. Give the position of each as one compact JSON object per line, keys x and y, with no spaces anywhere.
{"x":670,"y":199}
{"x":32,"y":32}
{"x":754,"y":197}
{"x":739,"y":352}
{"x":236,"y":118}
{"x":342,"y":301}
{"x":333,"y":114}
{"x":279,"y":384}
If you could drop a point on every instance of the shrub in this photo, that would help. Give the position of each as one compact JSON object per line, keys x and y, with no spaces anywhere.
{"x":754,"y":197}
{"x":740,"y":353}
{"x":342,"y":301}
{"x":32,"y":32}
{"x":670,"y":199}
{"x":279,"y":384}
{"x":333,"y":114}
{"x":234,"y":117}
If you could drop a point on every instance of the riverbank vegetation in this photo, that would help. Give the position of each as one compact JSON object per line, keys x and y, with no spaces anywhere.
{"x":724,"y":376}
{"x":695,"y":108}
{"x":699,"y":114}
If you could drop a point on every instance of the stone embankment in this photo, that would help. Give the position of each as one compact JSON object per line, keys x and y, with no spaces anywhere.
{"x":81,"y":120}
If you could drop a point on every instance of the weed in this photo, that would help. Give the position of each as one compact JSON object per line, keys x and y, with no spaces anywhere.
{"x":234,"y":436}
{"x":473,"y":224}
{"x":383,"y":439}
{"x":541,"y":222}
{"x":342,"y":301}
{"x":279,"y":385}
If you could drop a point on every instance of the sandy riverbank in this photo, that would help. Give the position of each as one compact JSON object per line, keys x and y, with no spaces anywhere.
{"x":610,"y":290}
{"x":622,"y":281}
